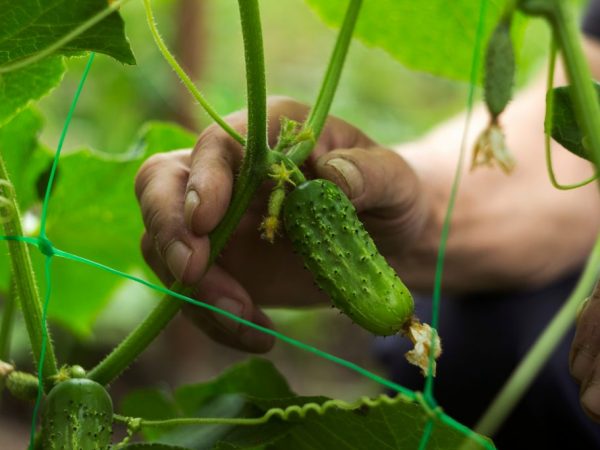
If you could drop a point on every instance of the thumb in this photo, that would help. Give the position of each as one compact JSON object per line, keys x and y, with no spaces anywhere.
{"x":377,"y":181}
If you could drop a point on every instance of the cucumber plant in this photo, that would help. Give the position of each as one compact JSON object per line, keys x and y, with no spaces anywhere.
{"x":318,"y":218}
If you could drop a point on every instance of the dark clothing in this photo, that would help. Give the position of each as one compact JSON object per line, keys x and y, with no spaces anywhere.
{"x":484,"y":337}
{"x":591,"y":23}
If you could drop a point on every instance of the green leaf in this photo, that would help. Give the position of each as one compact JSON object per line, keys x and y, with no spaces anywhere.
{"x":19,"y":88}
{"x":255,"y":377}
{"x":381,"y":423}
{"x":226,"y":396}
{"x":396,"y":425}
{"x":28,"y":26}
{"x":437,"y":36}
{"x":92,"y":213}
{"x":565,"y":130}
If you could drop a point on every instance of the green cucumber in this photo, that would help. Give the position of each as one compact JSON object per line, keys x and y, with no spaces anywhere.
{"x":78,"y":414}
{"x":499,"y":69}
{"x":323,"y":226}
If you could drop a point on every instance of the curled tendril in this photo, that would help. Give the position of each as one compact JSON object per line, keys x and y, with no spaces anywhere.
{"x":300,"y":411}
{"x":7,"y":193}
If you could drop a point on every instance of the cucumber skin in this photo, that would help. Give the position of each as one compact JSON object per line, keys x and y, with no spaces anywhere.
{"x":499,"y":69}
{"x":325,"y":230}
{"x":78,"y":414}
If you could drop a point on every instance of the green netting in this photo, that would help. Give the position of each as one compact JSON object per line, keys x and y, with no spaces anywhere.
{"x":425,"y":399}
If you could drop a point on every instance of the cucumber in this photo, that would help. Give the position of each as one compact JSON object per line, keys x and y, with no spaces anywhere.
{"x":499,"y":69}
{"x":78,"y":414}
{"x":323,"y":226}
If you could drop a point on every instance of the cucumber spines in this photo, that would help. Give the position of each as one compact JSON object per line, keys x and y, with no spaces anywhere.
{"x":325,"y":230}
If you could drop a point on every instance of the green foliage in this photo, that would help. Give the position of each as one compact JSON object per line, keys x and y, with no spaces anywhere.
{"x":565,"y":129}
{"x":22,"y":86}
{"x":92,"y":216}
{"x":252,"y":388}
{"x":29,"y":26}
{"x":436,"y":36}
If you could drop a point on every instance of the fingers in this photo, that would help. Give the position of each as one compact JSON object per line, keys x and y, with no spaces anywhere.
{"x":584,"y":360}
{"x":376,"y":180}
{"x":160,"y":186}
{"x":220,"y":289}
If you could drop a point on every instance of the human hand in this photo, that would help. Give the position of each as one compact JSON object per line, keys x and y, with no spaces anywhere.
{"x":584,"y":360}
{"x":184,"y":194}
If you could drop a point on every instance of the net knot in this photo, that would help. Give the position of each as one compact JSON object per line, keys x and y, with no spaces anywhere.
{"x":46,"y":246}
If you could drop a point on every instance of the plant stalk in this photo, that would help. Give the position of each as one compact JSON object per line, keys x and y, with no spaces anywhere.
{"x":252,"y":173}
{"x":320,"y":111}
{"x":540,"y":352}
{"x":8,"y":319}
{"x":26,"y":285}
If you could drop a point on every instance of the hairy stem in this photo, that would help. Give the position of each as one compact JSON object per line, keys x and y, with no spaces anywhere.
{"x":320,"y":111}
{"x":252,"y":173}
{"x":26,"y":285}
{"x":185,"y":79}
{"x":8,"y":319}
{"x":538,"y":355}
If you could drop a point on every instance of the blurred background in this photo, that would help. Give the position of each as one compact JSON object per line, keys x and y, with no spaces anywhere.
{"x":387,"y":101}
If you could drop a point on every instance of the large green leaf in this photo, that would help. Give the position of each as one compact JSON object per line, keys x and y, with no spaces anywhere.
{"x":565,"y":130}
{"x":92,"y":213}
{"x":19,"y":88}
{"x":397,"y":423}
{"x":435,"y":36}
{"x":28,"y":26}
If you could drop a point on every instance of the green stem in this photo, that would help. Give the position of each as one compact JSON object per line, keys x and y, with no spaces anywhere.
{"x":587,"y":110}
{"x":185,"y":79}
{"x":548,"y":127}
{"x":8,"y":319}
{"x":252,"y":173}
{"x":23,"y":274}
{"x":65,"y":39}
{"x":320,"y":111}
{"x":538,"y":355}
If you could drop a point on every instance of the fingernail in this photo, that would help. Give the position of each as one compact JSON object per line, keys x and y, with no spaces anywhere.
{"x":177,"y":257}
{"x":591,"y":399}
{"x":232,"y":306}
{"x":350,"y":175}
{"x":192,"y":200}
{"x":582,"y":364}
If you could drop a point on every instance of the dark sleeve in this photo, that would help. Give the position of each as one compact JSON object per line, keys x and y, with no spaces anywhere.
{"x":591,"y":21}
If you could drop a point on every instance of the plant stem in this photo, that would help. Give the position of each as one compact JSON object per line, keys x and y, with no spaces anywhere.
{"x":548,"y":127}
{"x":24,"y":277}
{"x":111,"y":8}
{"x":320,"y":111}
{"x":252,"y":173}
{"x":585,"y":100}
{"x":8,"y":318}
{"x":538,"y":355}
{"x":183,"y":76}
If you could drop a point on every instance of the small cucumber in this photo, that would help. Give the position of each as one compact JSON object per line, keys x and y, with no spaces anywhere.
{"x":499,"y":69}
{"x":324,"y":228}
{"x":78,"y":414}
